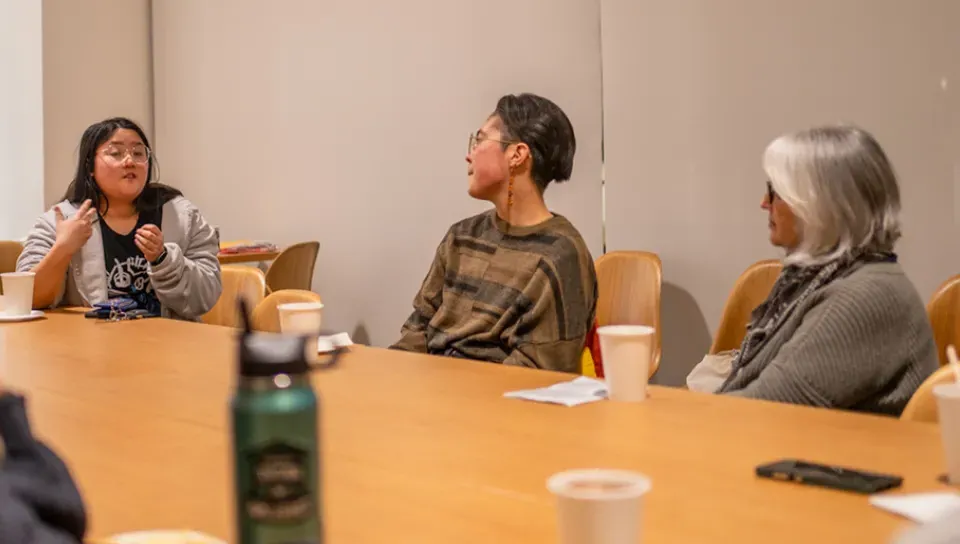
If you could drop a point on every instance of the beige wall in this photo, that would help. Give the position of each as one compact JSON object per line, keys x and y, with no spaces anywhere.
{"x":695,"y":89}
{"x":348,"y":122}
{"x":96,"y":64}
{"x":345,"y":123}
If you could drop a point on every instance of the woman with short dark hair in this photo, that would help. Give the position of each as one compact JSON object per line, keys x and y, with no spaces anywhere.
{"x":514,"y":285}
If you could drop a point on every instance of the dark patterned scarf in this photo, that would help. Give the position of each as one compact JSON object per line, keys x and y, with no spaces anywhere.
{"x":794,"y":285}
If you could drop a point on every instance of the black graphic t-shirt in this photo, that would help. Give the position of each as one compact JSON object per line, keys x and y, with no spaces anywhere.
{"x":127,"y":267}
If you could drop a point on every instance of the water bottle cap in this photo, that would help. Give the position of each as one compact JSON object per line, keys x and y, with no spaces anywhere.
{"x":266,"y":354}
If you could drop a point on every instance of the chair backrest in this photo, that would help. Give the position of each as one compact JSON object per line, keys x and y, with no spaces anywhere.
{"x":629,"y":283}
{"x":293,"y":268}
{"x":238,"y":281}
{"x":266,"y":317}
{"x":944,"y":313}
{"x":923,"y":405}
{"x":9,"y":253}
{"x":751,"y":289}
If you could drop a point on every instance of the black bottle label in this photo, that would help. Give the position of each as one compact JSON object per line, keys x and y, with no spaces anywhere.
{"x":279,"y":490}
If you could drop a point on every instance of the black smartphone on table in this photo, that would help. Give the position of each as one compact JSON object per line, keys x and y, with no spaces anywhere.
{"x":847,"y":479}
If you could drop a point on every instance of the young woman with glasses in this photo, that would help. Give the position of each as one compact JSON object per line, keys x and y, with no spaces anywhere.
{"x":118,"y":233}
{"x":516,"y":284}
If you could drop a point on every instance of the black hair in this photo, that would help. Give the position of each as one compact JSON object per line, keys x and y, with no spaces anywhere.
{"x":84,"y":186}
{"x":545,"y":129}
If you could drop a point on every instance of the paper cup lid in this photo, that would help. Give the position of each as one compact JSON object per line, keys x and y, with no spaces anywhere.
{"x":163,"y":537}
{"x":625,"y":330}
{"x":300,"y":306}
{"x":949,"y":389}
{"x":599,"y":484}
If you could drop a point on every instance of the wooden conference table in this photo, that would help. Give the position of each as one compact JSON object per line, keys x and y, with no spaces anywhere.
{"x":423,"y":449}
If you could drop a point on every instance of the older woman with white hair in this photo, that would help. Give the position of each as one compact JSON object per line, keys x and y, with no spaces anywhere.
{"x":843,"y":326}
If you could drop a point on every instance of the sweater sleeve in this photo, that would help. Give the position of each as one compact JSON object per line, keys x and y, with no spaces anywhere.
{"x":848,"y":346}
{"x":413,"y":335}
{"x":552,"y":333}
{"x":39,"y":503}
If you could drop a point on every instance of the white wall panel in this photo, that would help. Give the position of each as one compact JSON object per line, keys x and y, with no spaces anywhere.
{"x":21,"y":116}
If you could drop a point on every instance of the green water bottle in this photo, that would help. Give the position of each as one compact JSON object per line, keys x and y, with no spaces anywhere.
{"x":276,"y":446}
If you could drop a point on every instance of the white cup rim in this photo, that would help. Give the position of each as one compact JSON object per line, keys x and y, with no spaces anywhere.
{"x":948,"y":390}
{"x":300,"y":306}
{"x":625,"y":330}
{"x":17,"y":274}
{"x":637,"y":484}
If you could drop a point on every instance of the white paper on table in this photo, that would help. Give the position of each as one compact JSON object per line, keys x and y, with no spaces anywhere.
{"x":919,"y":507}
{"x":578,"y":391}
{"x":327,"y":343}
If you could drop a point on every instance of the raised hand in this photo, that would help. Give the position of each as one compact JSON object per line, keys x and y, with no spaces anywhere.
{"x":150,"y":241}
{"x":74,"y":232}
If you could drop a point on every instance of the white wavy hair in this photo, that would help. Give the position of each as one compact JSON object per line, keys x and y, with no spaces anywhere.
{"x":841,"y":187}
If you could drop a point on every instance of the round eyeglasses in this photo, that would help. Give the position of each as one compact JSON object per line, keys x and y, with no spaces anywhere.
{"x":139,"y":154}
{"x":476,"y":139}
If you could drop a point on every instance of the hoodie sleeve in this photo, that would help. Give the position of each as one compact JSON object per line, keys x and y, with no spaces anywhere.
{"x":188,"y":280}
{"x":39,"y":241}
{"x":39,"y":502}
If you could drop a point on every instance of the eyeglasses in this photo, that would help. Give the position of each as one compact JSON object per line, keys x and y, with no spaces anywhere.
{"x":476,"y":139}
{"x":139,"y":154}
{"x":116,"y":314}
{"x":771,"y":194}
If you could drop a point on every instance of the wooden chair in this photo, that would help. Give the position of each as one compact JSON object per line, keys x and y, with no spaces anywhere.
{"x":9,"y":253}
{"x":293,"y":268}
{"x":238,"y":281}
{"x":943,"y":310}
{"x":266,"y":317}
{"x":629,"y":283}
{"x":751,"y":289}
{"x":923,"y":405}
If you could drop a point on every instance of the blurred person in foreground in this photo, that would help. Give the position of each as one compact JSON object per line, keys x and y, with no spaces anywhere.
{"x":39,"y":502}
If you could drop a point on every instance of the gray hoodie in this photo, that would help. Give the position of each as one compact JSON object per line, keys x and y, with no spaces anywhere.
{"x":187,"y":282}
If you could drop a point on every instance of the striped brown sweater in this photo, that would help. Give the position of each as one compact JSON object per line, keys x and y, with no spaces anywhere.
{"x":514,"y":295}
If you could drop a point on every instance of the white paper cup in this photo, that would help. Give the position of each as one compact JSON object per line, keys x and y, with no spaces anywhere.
{"x":599,"y":506}
{"x":17,"y":299}
{"x":305,"y":319}
{"x":627,"y":351}
{"x":948,"y":406}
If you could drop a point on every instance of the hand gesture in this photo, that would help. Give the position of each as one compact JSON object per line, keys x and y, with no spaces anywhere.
{"x":73,"y":233}
{"x":150,"y":241}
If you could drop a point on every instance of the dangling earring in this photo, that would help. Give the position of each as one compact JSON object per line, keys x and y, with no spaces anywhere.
{"x":510,"y":192}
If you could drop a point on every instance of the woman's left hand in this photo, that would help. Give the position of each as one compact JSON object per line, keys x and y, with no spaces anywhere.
{"x":150,"y":241}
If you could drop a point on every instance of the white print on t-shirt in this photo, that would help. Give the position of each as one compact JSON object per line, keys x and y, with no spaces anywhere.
{"x":128,"y":275}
